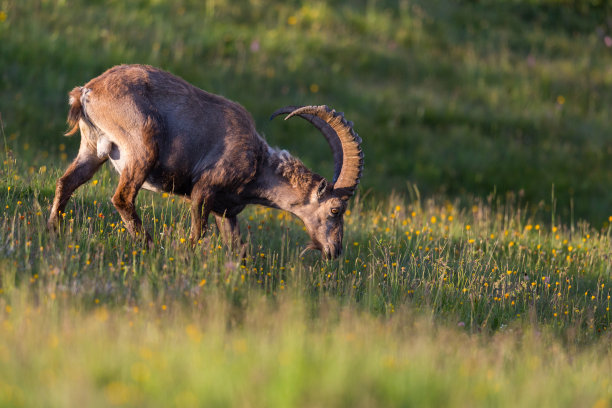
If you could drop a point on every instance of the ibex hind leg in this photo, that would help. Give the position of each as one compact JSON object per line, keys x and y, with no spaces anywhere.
{"x":143,"y":156}
{"x":80,"y":171}
{"x":124,"y":201}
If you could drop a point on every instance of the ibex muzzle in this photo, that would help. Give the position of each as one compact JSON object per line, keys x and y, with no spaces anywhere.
{"x":163,"y":134}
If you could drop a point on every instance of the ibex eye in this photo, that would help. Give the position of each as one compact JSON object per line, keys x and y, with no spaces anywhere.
{"x":335,"y":211}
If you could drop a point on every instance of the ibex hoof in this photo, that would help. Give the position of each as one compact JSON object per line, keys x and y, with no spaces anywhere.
{"x":149,"y":240}
{"x":194,"y":240}
{"x":53,"y":225}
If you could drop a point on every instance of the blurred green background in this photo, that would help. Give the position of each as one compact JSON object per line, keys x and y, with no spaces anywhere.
{"x":460,"y":98}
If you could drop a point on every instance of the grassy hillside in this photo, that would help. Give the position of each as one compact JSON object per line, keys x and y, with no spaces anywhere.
{"x":475,"y":284}
{"x":460,"y":98}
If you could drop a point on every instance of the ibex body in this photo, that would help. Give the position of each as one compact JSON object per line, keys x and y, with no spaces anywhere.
{"x":163,"y":134}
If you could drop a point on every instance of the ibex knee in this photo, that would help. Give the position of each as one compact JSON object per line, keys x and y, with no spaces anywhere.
{"x":120,"y":201}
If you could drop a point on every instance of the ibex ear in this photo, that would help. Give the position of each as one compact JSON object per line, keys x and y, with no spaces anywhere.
{"x":321,"y":188}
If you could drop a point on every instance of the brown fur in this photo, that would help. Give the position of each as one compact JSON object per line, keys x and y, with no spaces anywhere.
{"x":163,"y":134}
{"x":296,"y":173}
{"x":74,"y":114}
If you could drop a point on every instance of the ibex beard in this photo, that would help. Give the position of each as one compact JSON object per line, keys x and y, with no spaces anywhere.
{"x":164,"y":134}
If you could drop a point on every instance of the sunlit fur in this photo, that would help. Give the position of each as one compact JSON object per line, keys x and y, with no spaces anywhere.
{"x":163,"y":134}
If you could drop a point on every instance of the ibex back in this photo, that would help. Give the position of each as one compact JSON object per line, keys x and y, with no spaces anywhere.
{"x":163,"y":134}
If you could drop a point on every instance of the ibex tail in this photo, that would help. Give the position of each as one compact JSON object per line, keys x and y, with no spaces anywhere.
{"x":76,"y":111}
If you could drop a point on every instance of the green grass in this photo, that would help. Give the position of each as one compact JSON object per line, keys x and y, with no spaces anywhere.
{"x":430,"y":305}
{"x":477,"y":266}
{"x":274,"y":354}
{"x":488,"y":266}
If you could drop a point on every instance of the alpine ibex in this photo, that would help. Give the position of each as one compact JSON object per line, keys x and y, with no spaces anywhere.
{"x":163,"y":134}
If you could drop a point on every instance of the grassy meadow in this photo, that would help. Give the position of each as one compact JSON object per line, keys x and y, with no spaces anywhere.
{"x":430,"y":305}
{"x":478,"y":258}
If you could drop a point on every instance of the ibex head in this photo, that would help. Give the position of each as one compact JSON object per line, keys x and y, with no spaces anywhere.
{"x":323,"y":213}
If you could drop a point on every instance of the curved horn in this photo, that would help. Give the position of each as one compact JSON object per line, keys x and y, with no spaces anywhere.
{"x":344,"y":142}
{"x":328,"y":132}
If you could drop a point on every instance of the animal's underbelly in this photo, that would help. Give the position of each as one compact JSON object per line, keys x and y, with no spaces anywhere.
{"x":152,"y":187}
{"x":117,"y":159}
{"x":159,"y":178}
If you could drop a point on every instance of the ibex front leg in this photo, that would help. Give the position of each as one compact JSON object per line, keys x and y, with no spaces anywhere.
{"x":230,"y":231}
{"x":201,"y":206}
{"x":80,"y":170}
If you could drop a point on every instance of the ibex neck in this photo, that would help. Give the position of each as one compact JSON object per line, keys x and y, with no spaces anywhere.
{"x":284,"y":182}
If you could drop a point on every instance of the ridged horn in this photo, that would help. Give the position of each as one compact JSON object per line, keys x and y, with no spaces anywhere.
{"x":344,"y":142}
